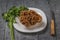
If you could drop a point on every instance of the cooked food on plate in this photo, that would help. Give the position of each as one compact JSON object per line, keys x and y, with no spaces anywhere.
{"x":29,"y":18}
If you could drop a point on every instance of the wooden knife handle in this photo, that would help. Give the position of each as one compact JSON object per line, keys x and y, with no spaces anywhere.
{"x":52,"y":27}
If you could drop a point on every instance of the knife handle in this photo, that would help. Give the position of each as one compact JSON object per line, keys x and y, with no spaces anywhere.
{"x":52,"y":27}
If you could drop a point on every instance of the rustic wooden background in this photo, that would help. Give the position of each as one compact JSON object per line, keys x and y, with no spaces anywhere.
{"x":41,"y":4}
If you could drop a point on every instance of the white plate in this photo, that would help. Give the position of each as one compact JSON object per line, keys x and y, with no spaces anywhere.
{"x":18,"y":26}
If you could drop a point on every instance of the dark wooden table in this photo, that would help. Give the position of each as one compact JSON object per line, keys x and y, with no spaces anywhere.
{"x":41,"y":4}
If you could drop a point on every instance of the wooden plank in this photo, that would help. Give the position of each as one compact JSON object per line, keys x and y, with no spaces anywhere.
{"x":57,"y":15}
{"x":2,"y":22}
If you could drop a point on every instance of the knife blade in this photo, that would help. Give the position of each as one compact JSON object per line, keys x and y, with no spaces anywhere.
{"x":52,"y":14}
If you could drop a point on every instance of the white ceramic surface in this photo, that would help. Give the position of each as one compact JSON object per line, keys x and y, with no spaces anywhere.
{"x":18,"y":26}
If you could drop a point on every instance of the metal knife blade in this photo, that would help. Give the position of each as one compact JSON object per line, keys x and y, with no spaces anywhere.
{"x":53,"y":15}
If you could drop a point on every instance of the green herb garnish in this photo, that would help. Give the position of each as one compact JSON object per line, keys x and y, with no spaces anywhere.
{"x":10,"y":15}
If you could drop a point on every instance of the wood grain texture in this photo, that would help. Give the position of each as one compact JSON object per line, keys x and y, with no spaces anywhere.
{"x":52,"y":28}
{"x":41,"y":4}
{"x":57,"y":15}
{"x":2,"y":22}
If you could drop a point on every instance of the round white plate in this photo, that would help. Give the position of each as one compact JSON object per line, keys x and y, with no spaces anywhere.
{"x":18,"y":26}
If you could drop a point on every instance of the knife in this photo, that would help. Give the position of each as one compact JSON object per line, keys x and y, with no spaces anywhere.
{"x":52,"y":26}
